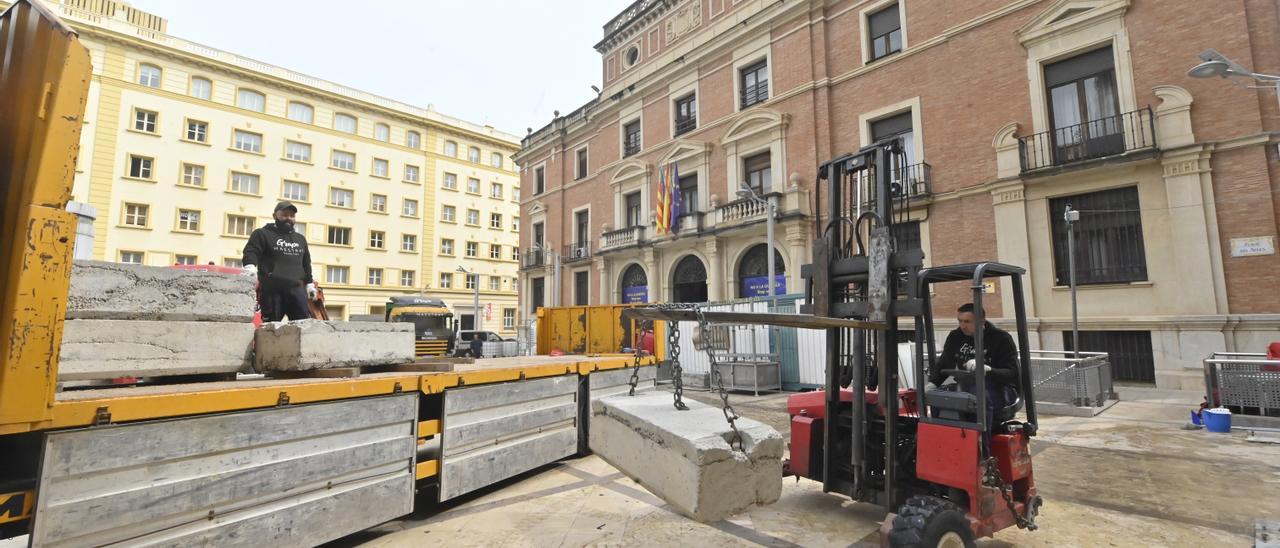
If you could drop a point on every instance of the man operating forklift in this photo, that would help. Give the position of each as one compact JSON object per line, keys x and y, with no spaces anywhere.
{"x":1000,"y":364}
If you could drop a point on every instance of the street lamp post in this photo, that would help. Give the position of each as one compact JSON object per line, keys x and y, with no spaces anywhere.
{"x":770,"y":208}
{"x":1217,"y":64}
{"x":1071,"y":216}
{"x":475,"y":305}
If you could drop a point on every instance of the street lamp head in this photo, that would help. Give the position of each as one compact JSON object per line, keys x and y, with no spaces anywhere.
{"x":1210,"y":69}
{"x":745,"y":191}
{"x":462,"y":270}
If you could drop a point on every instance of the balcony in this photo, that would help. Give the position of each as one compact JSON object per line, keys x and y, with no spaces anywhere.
{"x":686,"y":124}
{"x":907,"y":184}
{"x":743,"y":210}
{"x":623,"y":237}
{"x":1111,"y":136}
{"x":533,"y":258}
{"x":631,"y":144}
{"x":576,"y":252}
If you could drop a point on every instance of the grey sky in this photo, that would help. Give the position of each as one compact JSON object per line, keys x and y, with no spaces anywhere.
{"x":508,"y":63}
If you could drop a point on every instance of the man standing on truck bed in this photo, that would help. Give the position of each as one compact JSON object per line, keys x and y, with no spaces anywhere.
{"x":279,"y":257}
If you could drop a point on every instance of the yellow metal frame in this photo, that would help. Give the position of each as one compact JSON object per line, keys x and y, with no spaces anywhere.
{"x":589,"y":329}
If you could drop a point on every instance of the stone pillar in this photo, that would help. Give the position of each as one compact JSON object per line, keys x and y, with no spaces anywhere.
{"x":715,"y":270}
{"x":606,"y":285}
{"x":797,"y":254}
{"x":1009,"y":203}
{"x":657,"y":282}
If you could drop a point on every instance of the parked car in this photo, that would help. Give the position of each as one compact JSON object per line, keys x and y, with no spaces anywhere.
{"x":470,"y":343}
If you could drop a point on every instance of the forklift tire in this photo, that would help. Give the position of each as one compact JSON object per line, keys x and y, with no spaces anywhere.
{"x":931,"y":522}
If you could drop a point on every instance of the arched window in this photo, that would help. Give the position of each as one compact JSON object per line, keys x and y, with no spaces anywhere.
{"x":689,"y":282}
{"x":201,"y":88}
{"x":451,"y":149}
{"x":412,"y":139}
{"x":251,"y":100}
{"x":635,"y":285}
{"x":753,"y":272}
{"x":149,"y":75}
{"x":301,"y":112}
{"x":495,"y":159}
{"x":382,"y":132}
{"x":344,"y":122}
{"x":473,"y":154}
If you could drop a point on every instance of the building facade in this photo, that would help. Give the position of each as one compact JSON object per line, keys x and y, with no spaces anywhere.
{"x":187,"y":148}
{"x":1008,"y":110}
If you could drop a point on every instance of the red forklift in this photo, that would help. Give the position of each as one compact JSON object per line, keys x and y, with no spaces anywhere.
{"x":947,"y":472}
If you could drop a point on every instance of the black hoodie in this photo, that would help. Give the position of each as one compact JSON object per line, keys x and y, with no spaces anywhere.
{"x":281,"y":254}
{"x":997,"y":344}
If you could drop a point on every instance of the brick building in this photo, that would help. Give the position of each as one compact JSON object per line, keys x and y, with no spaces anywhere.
{"x":1009,"y":110}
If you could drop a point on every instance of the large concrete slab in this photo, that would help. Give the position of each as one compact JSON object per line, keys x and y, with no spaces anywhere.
{"x":684,"y":457}
{"x":318,"y":344}
{"x":103,"y":349}
{"x":112,"y":291}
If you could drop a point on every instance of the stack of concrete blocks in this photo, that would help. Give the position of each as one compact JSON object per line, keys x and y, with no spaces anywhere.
{"x":317,"y":344}
{"x":127,"y":320}
{"x":685,"y":457}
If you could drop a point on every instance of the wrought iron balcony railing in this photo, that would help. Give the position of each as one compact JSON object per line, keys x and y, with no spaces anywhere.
{"x":685,"y":125}
{"x":576,"y":252}
{"x":1100,"y":138}
{"x":906,"y":183}
{"x":533,"y":258}
{"x":631,"y":145}
{"x":751,"y":95}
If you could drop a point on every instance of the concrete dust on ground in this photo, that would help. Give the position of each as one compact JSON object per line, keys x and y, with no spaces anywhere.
{"x":1128,"y":477}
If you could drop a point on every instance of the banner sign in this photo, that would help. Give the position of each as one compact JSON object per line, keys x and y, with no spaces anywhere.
{"x":758,"y":286}
{"x":635,"y":294}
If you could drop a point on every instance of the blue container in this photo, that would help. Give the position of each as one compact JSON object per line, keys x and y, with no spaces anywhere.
{"x":1195,"y":418}
{"x":1217,"y":419}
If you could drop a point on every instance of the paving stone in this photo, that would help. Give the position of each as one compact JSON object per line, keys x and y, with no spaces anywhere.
{"x":684,"y":457}
{"x":321,"y":344}
{"x":113,"y":291}
{"x":104,"y":349}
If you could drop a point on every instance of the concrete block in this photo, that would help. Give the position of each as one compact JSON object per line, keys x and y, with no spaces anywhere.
{"x":103,"y":349}
{"x":684,"y":457}
{"x":113,"y":291}
{"x":319,"y":344}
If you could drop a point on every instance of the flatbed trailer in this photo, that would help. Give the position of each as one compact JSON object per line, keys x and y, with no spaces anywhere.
{"x":232,"y":462}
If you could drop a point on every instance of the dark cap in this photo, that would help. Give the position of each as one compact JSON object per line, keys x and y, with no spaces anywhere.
{"x":286,"y":205}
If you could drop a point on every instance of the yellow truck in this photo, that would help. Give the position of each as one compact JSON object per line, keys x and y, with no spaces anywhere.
{"x":231,"y":462}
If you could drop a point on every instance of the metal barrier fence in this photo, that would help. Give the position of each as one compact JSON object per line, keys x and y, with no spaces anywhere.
{"x":1060,"y":377}
{"x":1245,"y":383}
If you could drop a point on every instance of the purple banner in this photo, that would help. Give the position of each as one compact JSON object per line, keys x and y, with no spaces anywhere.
{"x":758,"y":286}
{"x":635,"y":294}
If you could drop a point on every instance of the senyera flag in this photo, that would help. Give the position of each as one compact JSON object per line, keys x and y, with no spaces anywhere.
{"x":668,"y":209}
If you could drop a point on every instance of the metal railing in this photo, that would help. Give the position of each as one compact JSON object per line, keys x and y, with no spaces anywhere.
{"x":912,"y":182}
{"x":1106,"y":136}
{"x":623,"y":237}
{"x":1060,"y":377}
{"x":533,"y":258}
{"x":758,"y":93}
{"x":685,"y":125}
{"x":580,"y":251}
{"x":1245,"y":383}
{"x":631,"y":144}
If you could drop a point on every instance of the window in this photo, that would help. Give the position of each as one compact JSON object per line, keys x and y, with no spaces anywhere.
{"x":411,"y":173}
{"x":296,"y":151}
{"x":382,"y":132}
{"x":473,"y":185}
{"x":248,"y":142}
{"x":407,"y":277}
{"x":140,"y":166}
{"x":508,"y":318}
{"x":686,"y":114}
{"x":189,"y":220}
{"x":131,"y":257}
{"x":446,"y":280}
{"x":1108,"y":238}
{"x":495,"y":283}
{"x":495,"y":220}
{"x":144,"y":120}
{"x":754,"y":84}
{"x":473,"y":154}
{"x":410,"y":208}
{"x":495,"y":190}
{"x":136,"y":215}
{"x":343,"y":160}
{"x":451,"y":149}
{"x":378,"y":203}
{"x":539,"y":181}
{"x":375,"y":276}
{"x":184,"y":259}
{"x":197,"y":131}
{"x":301,"y":112}
{"x":631,"y":138}
{"x":632,"y":202}
{"x":473,"y":217}
{"x":297,"y":191}
{"x":377,"y":239}
{"x":515,"y":224}
{"x":345,"y":123}
{"x":300,"y":228}
{"x":1129,"y":352}
{"x":582,"y":164}
{"x":471,"y":280}
{"x":757,"y":169}
{"x":632,"y":56}
{"x":149,"y":75}
{"x":899,"y":127}
{"x":885,"y":30}
{"x":380,"y":167}
{"x":239,"y":225}
{"x":201,"y":88}
{"x":495,"y":251}
{"x":446,"y":246}
{"x":408,"y":242}
{"x":515,"y":194}
{"x":473,"y":249}
{"x":341,"y":197}
{"x":450,"y":181}
{"x":449,"y":214}
{"x":339,"y":235}
{"x":245,"y":183}
{"x":1084,"y":109}
{"x":495,"y":159}
{"x":515,"y":253}
{"x":689,"y":194}
{"x":581,"y":287}
{"x":192,"y":175}
{"x":251,"y":100}
{"x":413,"y":139}
{"x":337,"y":274}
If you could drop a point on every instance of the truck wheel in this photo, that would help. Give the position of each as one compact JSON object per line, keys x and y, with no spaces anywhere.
{"x":931,"y":522}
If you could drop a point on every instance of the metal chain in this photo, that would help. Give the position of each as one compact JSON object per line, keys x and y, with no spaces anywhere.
{"x":673,"y":350}
{"x":991,"y":478}
{"x":730,"y":414}
{"x":635,"y":366}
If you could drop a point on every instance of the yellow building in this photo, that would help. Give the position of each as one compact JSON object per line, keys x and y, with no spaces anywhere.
{"x":187,"y":148}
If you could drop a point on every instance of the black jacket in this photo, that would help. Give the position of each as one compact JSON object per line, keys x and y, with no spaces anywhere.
{"x":997,"y":344}
{"x":281,"y":255}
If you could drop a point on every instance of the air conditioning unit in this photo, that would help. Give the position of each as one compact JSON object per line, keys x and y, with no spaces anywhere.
{"x":579,"y":252}
{"x":895,"y":188}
